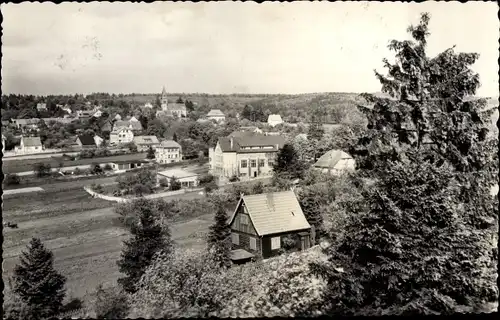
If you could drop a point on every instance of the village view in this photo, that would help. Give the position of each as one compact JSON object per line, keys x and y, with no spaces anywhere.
{"x":170,"y":204}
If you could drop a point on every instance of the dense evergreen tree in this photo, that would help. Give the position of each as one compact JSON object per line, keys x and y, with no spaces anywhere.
{"x":287,"y":164}
{"x":148,"y":239}
{"x":425,"y":245}
{"x":151,"y":153}
{"x":37,"y":283}
{"x":219,"y":238}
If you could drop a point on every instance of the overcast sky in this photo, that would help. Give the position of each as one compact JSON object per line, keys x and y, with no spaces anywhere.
{"x":228,"y":47}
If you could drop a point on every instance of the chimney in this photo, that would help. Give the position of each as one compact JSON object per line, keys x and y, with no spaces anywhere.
{"x":270,"y":201}
{"x":231,"y":140}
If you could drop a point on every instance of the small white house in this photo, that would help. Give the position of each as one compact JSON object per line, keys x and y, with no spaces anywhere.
{"x":121,"y":136}
{"x":274,"y":120}
{"x":187,"y":179}
{"x":41,"y":106}
{"x":97,"y":114}
{"x":335,"y":162}
{"x":148,"y":105}
{"x":29,"y":145}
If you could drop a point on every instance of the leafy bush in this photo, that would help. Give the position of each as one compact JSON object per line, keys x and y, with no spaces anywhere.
{"x":163,"y":182}
{"x":107,"y":167}
{"x":211,"y":186}
{"x":234,"y":179}
{"x":191,"y":284}
{"x":205,"y":179}
{"x":87,"y":153}
{"x":174,"y":184}
{"x":138,"y":183}
{"x":77,"y":171}
{"x":42,"y":169}
{"x":95,"y":168}
{"x":110,"y":304}
{"x":12,"y":179}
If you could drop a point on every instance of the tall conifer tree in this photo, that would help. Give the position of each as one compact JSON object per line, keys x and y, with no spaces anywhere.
{"x":37,"y":283}
{"x":425,"y":243}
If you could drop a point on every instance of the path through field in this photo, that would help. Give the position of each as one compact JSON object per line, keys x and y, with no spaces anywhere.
{"x":22,"y":190}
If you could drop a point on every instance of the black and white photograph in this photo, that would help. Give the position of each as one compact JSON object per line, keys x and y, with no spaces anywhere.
{"x":227,"y":159}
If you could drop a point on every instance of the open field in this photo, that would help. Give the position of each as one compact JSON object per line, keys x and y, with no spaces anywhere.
{"x":16,"y":166}
{"x":84,"y":233}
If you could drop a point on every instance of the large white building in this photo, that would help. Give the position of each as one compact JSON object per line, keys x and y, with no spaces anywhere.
{"x":245,"y":155}
{"x":121,"y":136}
{"x":168,"y":151}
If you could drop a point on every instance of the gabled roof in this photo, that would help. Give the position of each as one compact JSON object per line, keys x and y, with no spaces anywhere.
{"x":215,"y":113}
{"x":176,"y":106}
{"x":133,"y":125}
{"x":331,"y":158}
{"x":274,"y":118}
{"x":147,"y":140}
{"x":87,"y":139}
{"x":118,"y":130}
{"x":170,"y":144}
{"x":251,"y":140}
{"x":273,"y":213}
{"x":32,"y":141}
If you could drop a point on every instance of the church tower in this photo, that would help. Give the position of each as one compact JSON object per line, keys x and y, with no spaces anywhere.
{"x":163,"y":100}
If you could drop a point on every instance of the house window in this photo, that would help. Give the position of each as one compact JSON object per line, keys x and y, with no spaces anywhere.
{"x":184,"y":184}
{"x":253,"y":163}
{"x":235,"y":238}
{"x":270,"y":163}
{"x":261,"y":162}
{"x":253,"y":243}
{"x":243,"y":163}
{"x":275,"y":243}
{"x":244,"y":219}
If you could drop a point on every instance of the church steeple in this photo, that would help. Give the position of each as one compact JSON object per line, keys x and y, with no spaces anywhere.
{"x":164,"y":100}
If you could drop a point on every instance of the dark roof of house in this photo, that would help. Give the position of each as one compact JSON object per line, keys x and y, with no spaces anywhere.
{"x":274,"y":212}
{"x":86,"y":139}
{"x":251,"y":140}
